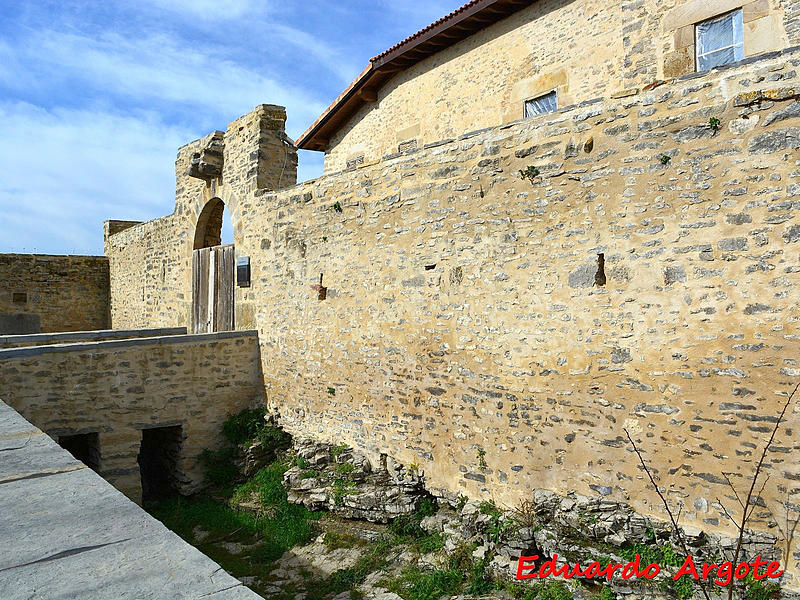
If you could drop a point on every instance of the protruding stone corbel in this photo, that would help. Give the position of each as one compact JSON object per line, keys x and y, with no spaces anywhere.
{"x":207,"y":163}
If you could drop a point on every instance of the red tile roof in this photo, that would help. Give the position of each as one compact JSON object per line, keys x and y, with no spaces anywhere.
{"x":450,"y":29}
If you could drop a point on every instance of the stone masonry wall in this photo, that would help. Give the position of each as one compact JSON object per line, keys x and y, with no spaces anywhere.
{"x":68,"y":293}
{"x":119,"y":388}
{"x":151,"y":263}
{"x":466,"y":328}
{"x":581,"y":48}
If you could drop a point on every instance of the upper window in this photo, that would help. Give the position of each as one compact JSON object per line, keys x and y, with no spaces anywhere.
{"x":719,"y":41}
{"x":541,"y":104}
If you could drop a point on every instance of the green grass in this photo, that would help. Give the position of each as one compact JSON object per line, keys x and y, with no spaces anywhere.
{"x":462,"y":574}
{"x":409,"y":525}
{"x":406,"y":529}
{"x":219,"y":466}
{"x":282,"y":526}
{"x":342,"y":488}
{"x":345,"y":469}
{"x":606,"y":593}
{"x":336,"y":451}
{"x":663,"y":555}
{"x":413,"y":584}
{"x":760,"y":589}
{"x":222,"y":524}
{"x":335,"y":540}
{"x":377,"y":557}
{"x":550,"y":590}
{"x":496,"y":526}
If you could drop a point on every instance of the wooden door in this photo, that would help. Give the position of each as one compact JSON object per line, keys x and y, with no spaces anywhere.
{"x":212,"y":289}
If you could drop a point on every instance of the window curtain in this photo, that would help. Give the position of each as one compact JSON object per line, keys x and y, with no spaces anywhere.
{"x":542,"y":104}
{"x":719,"y":41}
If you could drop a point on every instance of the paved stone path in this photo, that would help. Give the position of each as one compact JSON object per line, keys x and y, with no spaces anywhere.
{"x":65,"y":533}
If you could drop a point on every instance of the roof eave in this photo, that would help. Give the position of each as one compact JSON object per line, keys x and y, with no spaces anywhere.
{"x":446,"y":32}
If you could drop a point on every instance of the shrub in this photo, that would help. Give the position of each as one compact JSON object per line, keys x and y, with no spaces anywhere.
{"x":220,"y":467}
{"x":250,"y":425}
{"x":409,"y":525}
{"x":244,"y":426}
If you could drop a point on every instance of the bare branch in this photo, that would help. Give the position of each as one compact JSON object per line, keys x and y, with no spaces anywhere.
{"x":727,"y":514}
{"x":745,"y":515}
{"x":735,"y":493}
{"x":675,"y":527}
{"x":761,"y":491}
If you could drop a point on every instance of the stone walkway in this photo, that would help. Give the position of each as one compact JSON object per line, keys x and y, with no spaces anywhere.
{"x":65,"y":533}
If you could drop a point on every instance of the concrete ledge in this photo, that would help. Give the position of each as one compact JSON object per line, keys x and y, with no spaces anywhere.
{"x":106,"y":345}
{"x":43,"y":339}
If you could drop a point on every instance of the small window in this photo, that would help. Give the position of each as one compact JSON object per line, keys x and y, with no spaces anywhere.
{"x":19,"y":297}
{"x":541,"y":104}
{"x":719,"y":41}
{"x":354,"y":162}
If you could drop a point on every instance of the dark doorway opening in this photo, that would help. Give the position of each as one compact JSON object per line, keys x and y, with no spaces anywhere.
{"x":158,"y":460}
{"x":83,"y":446}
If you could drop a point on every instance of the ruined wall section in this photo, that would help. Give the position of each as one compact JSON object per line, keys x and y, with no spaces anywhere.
{"x":151,"y":263}
{"x":61,"y":293}
{"x":119,"y":388}
{"x":463,"y":327}
{"x":149,"y":284}
{"x":583,"y":50}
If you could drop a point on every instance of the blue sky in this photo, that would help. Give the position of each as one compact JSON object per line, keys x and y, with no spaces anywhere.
{"x":97,"y":96}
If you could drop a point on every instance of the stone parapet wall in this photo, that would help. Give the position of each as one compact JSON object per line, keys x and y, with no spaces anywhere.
{"x":119,"y":388}
{"x":46,"y":293}
{"x":462,"y":328}
{"x":42,"y":339}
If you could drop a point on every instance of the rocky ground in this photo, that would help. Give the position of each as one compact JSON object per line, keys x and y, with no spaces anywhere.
{"x":320,"y":522}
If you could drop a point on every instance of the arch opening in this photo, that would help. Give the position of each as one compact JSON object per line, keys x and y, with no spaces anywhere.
{"x":213,"y":273}
{"x":208,"y":232}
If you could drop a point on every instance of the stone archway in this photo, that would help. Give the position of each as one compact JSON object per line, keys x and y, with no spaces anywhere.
{"x":208,"y":231}
{"x":212,"y":273}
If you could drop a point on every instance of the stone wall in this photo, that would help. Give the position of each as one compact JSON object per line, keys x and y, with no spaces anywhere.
{"x":468,"y":327}
{"x":43,"y":339}
{"x":119,"y":388}
{"x":151,"y":262}
{"x":60,"y":293}
{"x":583,"y":49}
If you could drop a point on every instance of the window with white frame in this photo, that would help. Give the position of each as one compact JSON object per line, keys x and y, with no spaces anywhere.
{"x":541,"y":104}
{"x":719,"y":40}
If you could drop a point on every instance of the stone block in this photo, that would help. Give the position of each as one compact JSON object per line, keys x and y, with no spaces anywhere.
{"x":755,"y":10}
{"x":680,"y":62}
{"x":762,"y":35}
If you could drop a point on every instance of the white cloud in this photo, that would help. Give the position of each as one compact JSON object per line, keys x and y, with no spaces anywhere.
{"x":67,"y":171}
{"x":150,"y":68}
{"x":226,"y":10}
{"x":332,"y":58}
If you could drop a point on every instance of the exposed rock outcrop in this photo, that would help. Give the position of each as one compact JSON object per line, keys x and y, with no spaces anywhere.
{"x":340,"y":480}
